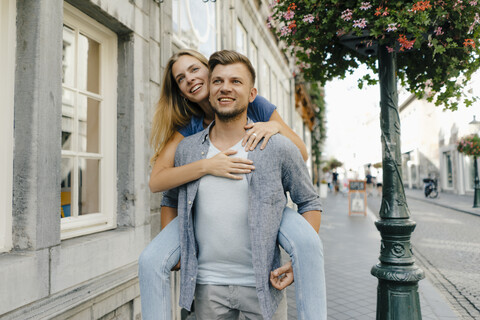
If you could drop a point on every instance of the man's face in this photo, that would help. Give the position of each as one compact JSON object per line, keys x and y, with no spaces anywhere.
{"x":231,"y":90}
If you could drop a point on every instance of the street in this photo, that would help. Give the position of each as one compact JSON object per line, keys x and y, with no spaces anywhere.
{"x":446,"y":245}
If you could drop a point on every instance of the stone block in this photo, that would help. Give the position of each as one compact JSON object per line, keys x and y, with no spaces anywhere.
{"x":144,"y":5}
{"x":154,"y":62}
{"x":85,"y":258}
{"x":37,"y":123}
{"x":142,"y":24}
{"x":121,"y":10}
{"x":120,"y":303}
{"x":85,"y":314}
{"x":154,"y":21}
{"x":23,"y":278}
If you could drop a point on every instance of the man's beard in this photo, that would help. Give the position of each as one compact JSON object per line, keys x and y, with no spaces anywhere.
{"x":230,"y":115}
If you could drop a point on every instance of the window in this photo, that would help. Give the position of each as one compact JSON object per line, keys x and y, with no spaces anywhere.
{"x":194,"y":25}
{"x":447,"y":156}
{"x":88,"y":170}
{"x":273,"y":90}
{"x":252,"y":55}
{"x":265,"y":80}
{"x":241,"y":38}
{"x":7,"y":70}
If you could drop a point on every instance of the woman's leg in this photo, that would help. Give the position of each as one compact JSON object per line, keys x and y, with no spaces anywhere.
{"x":154,"y":265}
{"x":302,"y":243}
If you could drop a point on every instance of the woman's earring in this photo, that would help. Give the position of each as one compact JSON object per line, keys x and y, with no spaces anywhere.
{"x":185,"y":99}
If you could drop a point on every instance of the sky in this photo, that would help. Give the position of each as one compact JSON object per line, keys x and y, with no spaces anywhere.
{"x":351,"y":137}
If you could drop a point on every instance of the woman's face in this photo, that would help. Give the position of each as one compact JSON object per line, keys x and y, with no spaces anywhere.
{"x":191,"y":77}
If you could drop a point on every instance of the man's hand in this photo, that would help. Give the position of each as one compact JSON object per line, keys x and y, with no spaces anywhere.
{"x":282,"y":277}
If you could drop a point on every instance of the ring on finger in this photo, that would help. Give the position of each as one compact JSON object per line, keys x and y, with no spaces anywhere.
{"x":254,"y":134}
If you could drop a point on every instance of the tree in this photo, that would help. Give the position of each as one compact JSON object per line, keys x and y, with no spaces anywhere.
{"x":437,"y":41}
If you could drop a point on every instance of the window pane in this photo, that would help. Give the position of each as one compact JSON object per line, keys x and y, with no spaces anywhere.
{"x":66,"y":187}
{"x":68,"y":57}
{"x":265,"y":80}
{"x":175,"y":21}
{"x":241,"y":38}
{"x":68,"y":113}
{"x":253,"y":58}
{"x":449,"y":169}
{"x":88,"y":64}
{"x":194,"y":22}
{"x":88,"y":189}
{"x":88,"y":125}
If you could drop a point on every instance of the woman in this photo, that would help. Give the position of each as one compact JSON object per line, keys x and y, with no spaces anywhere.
{"x":183,"y":110}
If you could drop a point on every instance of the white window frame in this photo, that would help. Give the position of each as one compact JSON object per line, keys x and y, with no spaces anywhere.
{"x":107,"y":217}
{"x":7,"y":70}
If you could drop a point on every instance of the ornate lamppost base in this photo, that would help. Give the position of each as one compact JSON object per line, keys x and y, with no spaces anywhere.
{"x":398,"y":301}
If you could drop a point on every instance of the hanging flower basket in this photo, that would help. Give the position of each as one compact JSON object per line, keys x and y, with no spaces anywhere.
{"x":437,"y":41}
{"x":469,"y":145}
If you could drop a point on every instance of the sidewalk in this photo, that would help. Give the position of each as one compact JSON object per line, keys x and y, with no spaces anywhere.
{"x":352,"y":247}
{"x":461,"y":203}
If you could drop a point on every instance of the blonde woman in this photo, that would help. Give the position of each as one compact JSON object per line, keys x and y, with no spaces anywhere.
{"x":183,"y":110}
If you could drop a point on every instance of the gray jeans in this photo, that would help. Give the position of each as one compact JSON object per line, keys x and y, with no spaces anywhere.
{"x":214,"y":302}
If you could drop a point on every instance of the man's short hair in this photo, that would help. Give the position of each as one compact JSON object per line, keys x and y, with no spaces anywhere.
{"x":226,"y":57}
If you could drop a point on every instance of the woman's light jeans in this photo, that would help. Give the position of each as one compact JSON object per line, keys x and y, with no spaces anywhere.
{"x":296,"y":237}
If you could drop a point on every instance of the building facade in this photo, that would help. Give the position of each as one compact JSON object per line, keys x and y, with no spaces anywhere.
{"x":80,"y":80}
{"x":429,"y":143}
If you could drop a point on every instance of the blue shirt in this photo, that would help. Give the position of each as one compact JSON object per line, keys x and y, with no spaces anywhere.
{"x":278,"y":168}
{"x":260,"y":110}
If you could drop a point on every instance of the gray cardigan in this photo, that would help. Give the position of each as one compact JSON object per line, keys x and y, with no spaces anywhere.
{"x":278,"y":168}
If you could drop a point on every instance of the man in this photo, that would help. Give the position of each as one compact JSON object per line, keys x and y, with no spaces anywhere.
{"x":228,"y":228}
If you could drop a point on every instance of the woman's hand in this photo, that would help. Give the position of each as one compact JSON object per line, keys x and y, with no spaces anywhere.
{"x":257,"y":131}
{"x":177,"y":267}
{"x":282,"y":277}
{"x":222,"y":165}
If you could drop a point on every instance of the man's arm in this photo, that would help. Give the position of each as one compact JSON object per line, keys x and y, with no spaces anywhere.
{"x":314,"y":217}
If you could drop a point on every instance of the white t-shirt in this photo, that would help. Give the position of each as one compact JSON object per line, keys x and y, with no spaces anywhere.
{"x":221,"y":228}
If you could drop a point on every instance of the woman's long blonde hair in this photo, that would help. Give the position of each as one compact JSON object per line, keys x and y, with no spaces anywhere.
{"x":173,"y":110}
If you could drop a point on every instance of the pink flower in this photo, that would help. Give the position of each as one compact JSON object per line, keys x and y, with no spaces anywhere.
{"x":365,"y":6}
{"x":360,"y":23}
{"x":289,"y":15}
{"x":347,"y":15}
{"x":285,"y":31}
{"x":473,"y":3}
{"x":438,"y":31}
{"x":269,"y":22}
{"x":308,"y":18}
{"x":390,"y":49}
{"x":392,"y":27}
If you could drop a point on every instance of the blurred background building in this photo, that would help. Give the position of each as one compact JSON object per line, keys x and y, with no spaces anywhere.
{"x":80,"y":80}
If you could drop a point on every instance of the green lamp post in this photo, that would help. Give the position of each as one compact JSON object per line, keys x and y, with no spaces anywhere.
{"x":476,"y":195}
{"x":397,"y":273}
{"x":398,"y":276}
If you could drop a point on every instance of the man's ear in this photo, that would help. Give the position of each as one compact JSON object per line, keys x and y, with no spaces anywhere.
{"x":253,"y":94}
